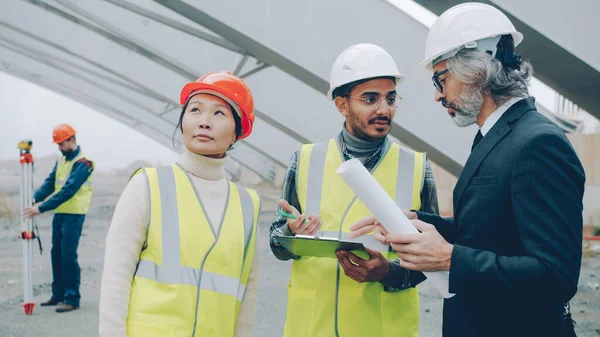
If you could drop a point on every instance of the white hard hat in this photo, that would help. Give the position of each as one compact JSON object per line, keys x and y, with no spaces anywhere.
{"x":468,"y":25}
{"x":359,"y":62}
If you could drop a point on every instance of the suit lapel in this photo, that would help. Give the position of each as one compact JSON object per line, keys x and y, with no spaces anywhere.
{"x":481,"y":151}
{"x":477,"y":156}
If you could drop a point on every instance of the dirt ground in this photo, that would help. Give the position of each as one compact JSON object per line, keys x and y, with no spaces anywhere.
{"x":270,"y":312}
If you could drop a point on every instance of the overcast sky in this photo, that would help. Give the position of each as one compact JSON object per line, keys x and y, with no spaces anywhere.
{"x":28,"y":111}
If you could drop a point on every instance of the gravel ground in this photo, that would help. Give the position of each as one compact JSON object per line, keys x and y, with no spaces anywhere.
{"x":274,"y":275}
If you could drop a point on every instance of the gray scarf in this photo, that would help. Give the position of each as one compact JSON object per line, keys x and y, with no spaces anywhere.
{"x":363,"y":150}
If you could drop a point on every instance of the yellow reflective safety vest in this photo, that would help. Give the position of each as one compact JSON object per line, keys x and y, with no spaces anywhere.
{"x":322,"y":300}
{"x":189,"y":280}
{"x":80,"y":202}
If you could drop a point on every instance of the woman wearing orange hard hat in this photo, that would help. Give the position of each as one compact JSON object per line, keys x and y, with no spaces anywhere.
{"x":181,"y":249}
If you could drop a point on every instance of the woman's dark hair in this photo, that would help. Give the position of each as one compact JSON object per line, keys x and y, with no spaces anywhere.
{"x":236,"y":118}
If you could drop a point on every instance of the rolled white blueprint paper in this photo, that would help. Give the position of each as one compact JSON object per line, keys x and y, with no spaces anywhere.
{"x":368,"y":190}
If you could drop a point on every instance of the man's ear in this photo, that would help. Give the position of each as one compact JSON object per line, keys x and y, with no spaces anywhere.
{"x":342,"y":105}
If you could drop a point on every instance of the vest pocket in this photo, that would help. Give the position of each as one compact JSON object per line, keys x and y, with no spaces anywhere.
{"x":355,"y":319}
{"x":300,"y":312}
{"x":137,"y":329}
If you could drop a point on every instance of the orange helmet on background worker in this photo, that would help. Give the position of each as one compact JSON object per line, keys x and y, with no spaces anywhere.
{"x":62,"y":132}
{"x":228,"y":87}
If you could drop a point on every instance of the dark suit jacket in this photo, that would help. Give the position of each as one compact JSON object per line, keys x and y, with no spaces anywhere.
{"x":517,"y":230}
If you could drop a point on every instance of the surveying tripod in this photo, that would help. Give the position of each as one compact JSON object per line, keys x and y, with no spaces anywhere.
{"x":29,"y":230}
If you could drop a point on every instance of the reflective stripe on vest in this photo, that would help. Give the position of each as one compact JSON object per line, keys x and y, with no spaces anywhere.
{"x":322,"y":300}
{"x":171,"y":271}
{"x":80,"y":201}
{"x":62,"y":182}
{"x":406,"y":185}
{"x":190,"y":280}
{"x":185,"y":275}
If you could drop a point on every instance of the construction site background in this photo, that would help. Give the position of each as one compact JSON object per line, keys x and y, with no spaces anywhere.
{"x":274,"y":274}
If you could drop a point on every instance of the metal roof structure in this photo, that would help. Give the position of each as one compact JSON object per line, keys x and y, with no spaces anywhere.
{"x":560,"y":43}
{"x":129,"y":59}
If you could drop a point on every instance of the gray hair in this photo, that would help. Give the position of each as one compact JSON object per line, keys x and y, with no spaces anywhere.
{"x":478,"y":68}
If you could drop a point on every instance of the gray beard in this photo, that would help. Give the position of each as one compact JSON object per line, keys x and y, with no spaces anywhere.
{"x":467,"y":106}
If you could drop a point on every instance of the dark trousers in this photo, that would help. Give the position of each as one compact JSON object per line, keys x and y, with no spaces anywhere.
{"x":66,"y":231}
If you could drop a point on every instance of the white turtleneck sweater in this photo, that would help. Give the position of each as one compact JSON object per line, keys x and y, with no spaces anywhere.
{"x":127,"y":234}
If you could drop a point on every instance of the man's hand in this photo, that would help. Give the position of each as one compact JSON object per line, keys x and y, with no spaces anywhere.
{"x":372,"y":270}
{"x":299,"y":226}
{"x":30,"y":212}
{"x":370,"y":224}
{"x":425,"y":251}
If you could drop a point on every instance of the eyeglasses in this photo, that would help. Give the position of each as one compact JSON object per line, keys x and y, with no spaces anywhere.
{"x":373,"y":103}
{"x":436,"y":80}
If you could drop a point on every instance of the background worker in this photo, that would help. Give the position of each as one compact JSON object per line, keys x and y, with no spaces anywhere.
{"x":70,"y":187}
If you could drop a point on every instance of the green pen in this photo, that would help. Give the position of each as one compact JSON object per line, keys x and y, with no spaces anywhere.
{"x":289,"y":215}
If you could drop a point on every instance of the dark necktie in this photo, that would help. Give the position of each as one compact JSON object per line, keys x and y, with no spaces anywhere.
{"x":477,"y":139}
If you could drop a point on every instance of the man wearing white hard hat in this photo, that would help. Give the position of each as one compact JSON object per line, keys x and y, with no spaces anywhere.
{"x":513,"y":247}
{"x":352,"y":296}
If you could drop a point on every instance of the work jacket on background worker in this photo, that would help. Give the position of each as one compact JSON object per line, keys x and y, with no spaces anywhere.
{"x":80,"y":202}
{"x":190,"y":281}
{"x":355,"y":309}
{"x":70,"y":184}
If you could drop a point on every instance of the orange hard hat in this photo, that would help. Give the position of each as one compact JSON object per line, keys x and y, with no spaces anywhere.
{"x":230,"y":88}
{"x":62,"y":132}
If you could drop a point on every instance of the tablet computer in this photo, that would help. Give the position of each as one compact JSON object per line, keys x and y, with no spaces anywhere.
{"x":301,"y":245}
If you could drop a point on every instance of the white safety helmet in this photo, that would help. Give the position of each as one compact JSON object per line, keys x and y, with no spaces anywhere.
{"x":468,"y":25}
{"x":359,"y":62}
